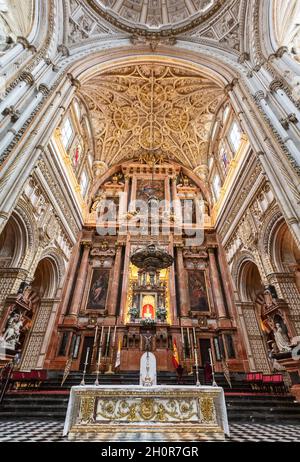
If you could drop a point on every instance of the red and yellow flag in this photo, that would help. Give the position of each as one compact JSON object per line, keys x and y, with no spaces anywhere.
{"x":175,"y":357}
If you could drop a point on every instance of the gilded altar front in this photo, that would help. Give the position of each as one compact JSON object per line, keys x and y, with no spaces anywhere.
{"x":96,"y":410}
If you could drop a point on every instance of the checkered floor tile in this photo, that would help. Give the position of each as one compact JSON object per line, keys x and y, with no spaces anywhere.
{"x":51,"y":431}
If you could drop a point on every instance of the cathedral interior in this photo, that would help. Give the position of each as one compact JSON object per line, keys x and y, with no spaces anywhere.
{"x":150,"y":199}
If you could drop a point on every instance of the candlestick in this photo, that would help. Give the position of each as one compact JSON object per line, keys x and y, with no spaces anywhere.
{"x":94,"y":352}
{"x":87,"y":356}
{"x":102,"y":332}
{"x":196,"y":357}
{"x":85,"y":366}
{"x":188,"y":336}
{"x":183,"y":346}
{"x":214,"y":384}
{"x":107,"y":341}
{"x":194,"y":335}
{"x":96,"y":334}
{"x":110,"y":371}
{"x":114,"y":336}
{"x":99,"y":357}
{"x":190,"y":350}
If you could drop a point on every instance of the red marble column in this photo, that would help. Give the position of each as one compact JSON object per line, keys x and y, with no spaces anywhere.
{"x":216,"y":285}
{"x":81,"y":279}
{"x":182,"y":283}
{"x":112,"y":302}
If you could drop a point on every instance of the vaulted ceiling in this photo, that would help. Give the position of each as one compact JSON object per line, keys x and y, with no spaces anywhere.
{"x":152,"y":107}
{"x":157,"y":14}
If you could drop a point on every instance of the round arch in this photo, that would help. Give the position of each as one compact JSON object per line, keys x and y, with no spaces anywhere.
{"x":46,"y":278}
{"x":250,"y":285}
{"x":285,"y":252}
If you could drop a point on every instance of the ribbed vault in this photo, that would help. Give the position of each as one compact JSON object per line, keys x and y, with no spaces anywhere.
{"x":152,"y":107}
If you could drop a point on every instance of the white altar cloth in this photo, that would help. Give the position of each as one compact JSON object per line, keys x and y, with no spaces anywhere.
{"x":101,"y":409}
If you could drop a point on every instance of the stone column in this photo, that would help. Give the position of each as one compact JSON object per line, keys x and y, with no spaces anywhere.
{"x":112,"y":302}
{"x":81,"y":278}
{"x":125,"y":280}
{"x":68,"y":284}
{"x":182,"y":284}
{"x":216,"y":285}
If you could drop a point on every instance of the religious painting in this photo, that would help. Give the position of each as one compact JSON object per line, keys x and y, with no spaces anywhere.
{"x":98,"y":290}
{"x":197,"y":291}
{"x":148,"y":188}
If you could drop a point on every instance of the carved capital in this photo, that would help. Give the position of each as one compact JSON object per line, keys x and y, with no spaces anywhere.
{"x":259,"y":96}
{"x":42,"y":88}
{"x":26,"y":45}
{"x":291,"y":118}
{"x":281,"y":51}
{"x":12,"y":112}
{"x":275,"y":85}
{"x":27,"y":77}
{"x":244,"y":57}
{"x":63,"y":50}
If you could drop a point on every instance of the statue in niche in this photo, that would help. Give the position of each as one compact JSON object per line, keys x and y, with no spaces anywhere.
{"x":97,"y":202}
{"x":268,"y":297}
{"x":281,"y":339}
{"x":13,"y":330}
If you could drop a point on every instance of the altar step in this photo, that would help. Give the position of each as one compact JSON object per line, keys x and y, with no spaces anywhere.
{"x":47,"y":405}
{"x":132,"y":378}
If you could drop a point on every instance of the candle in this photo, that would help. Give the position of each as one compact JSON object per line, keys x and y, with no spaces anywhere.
{"x":114,"y":337}
{"x":194,"y":334}
{"x":196,"y":357}
{"x":210,"y":356}
{"x":100,"y":346}
{"x":87,"y":355}
{"x":96,"y":334}
{"x":107,"y":343}
{"x":101,"y":336}
{"x":188,"y":336}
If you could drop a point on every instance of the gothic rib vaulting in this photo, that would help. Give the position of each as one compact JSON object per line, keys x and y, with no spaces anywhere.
{"x":149,"y":199}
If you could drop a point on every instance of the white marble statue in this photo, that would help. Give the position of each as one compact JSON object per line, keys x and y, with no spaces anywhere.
{"x":12,"y":334}
{"x":281,"y":339}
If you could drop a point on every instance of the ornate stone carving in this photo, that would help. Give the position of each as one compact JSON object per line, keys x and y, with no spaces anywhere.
{"x":151,"y":107}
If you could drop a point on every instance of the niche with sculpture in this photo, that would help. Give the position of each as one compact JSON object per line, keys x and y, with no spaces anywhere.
{"x":17,"y":322}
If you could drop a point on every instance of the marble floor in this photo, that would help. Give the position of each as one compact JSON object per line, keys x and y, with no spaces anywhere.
{"x":51,"y":431}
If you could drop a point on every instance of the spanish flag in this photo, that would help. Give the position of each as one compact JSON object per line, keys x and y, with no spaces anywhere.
{"x":175,"y":357}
